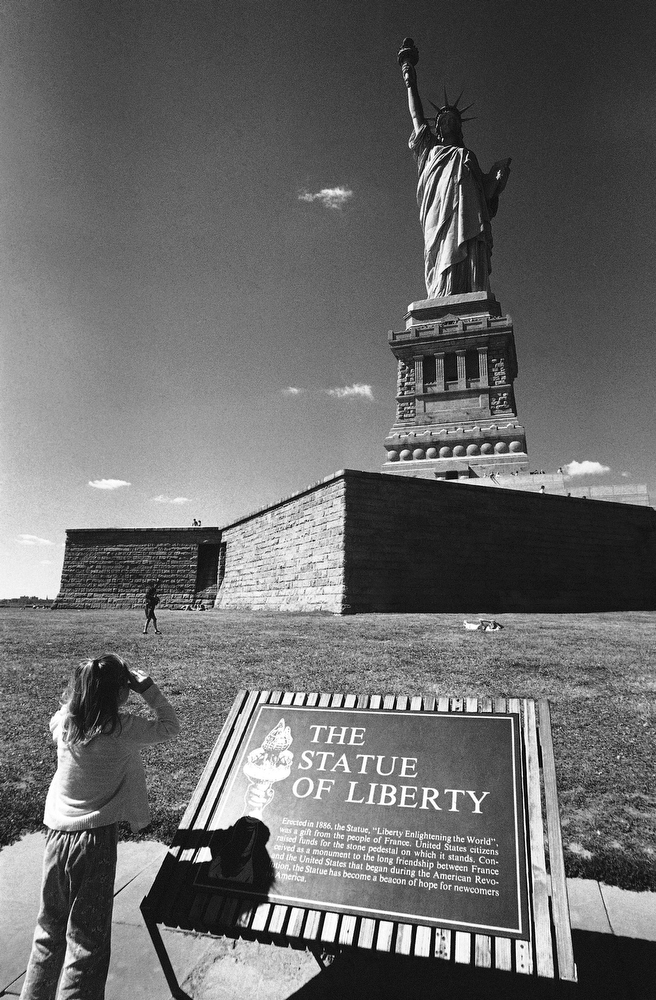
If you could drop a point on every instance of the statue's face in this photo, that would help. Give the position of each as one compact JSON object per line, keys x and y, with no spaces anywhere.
{"x":450,"y":129}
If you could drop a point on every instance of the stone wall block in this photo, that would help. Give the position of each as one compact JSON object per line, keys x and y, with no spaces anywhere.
{"x":111,"y":566}
{"x":436,"y":547}
{"x":371,"y":542}
{"x":274,"y":561}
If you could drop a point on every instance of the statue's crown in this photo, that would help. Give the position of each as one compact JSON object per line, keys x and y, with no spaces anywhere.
{"x":453,"y":109}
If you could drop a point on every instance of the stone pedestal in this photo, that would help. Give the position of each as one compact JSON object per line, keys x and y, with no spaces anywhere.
{"x":456,"y":415}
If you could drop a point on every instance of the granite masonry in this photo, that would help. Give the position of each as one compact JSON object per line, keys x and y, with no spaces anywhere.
{"x":370,"y":542}
{"x":414,"y":545}
{"x":109,"y":567}
{"x":456,"y":415}
{"x":290,"y":556}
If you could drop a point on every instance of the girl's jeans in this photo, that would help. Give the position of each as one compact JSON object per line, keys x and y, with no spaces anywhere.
{"x":74,"y":925}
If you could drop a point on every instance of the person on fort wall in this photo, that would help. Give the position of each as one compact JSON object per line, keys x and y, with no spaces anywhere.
{"x":456,"y":199}
{"x":151,"y":600}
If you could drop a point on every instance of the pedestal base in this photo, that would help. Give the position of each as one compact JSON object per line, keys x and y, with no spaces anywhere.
{"x":456,"y":415}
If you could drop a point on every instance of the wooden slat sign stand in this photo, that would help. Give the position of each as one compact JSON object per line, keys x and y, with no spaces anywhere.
{"x":408,"y":826}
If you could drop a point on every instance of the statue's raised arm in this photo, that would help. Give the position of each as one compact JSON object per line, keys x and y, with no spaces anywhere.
{"x":456,"y":199}
{"x":408,"y":58}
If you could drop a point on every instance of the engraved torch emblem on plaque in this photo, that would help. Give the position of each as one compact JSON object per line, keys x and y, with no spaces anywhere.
{"x":265,"y":765}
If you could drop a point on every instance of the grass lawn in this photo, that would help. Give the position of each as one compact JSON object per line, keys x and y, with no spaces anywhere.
{"x":598,"y":671}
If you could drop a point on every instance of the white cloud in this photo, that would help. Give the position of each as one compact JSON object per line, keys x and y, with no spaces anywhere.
{"x":33,"y":540}
{"x":329,"y":197}
{"x":585,"y":469}
{"x":625,"y":475}
{"x":108,"y":484}
{"x":292,"y":390}
{"x":357,"y":389}
{"x":163,"y":499}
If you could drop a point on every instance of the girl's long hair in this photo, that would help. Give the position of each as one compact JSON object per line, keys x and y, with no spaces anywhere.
{"x":92,"y":698}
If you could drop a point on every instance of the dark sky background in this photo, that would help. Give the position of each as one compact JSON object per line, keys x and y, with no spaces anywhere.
{"x":165,"y":282}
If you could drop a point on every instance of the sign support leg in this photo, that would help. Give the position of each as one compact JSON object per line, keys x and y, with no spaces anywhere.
{"x":158,"y":944}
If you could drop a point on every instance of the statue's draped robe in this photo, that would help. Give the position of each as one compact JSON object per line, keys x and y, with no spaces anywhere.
{"x":455,"y":216}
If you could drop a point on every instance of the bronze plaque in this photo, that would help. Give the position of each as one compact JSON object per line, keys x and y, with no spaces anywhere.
{"x":409,"y":816}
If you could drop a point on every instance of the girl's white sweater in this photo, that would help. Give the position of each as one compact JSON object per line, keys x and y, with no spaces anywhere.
{"x":103,"y":781}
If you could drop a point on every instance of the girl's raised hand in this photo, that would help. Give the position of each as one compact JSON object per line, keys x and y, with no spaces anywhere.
{"x":139,"y":681}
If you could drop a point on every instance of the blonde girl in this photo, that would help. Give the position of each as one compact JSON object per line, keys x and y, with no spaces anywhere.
{"x":99,"y":781}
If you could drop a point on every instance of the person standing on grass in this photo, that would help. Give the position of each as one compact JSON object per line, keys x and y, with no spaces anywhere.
{"x":99,"y":781}
{"x":151,"y":601}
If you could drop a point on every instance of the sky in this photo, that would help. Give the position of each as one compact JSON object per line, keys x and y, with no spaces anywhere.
{"x":208,"y":226}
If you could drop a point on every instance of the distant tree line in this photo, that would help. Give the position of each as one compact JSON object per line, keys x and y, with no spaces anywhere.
{"x":24,"y":601}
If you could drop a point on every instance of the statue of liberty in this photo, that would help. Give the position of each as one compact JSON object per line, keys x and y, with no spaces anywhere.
{"x":456,"y":199}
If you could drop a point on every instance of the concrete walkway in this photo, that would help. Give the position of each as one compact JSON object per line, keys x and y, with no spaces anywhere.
{"x":614,"y":942}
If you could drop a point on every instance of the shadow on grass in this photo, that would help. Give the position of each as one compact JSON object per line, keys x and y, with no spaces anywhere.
{"x":609,"y":968}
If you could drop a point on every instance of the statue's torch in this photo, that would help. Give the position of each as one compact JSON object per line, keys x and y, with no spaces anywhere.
{"x":408,"y":58}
